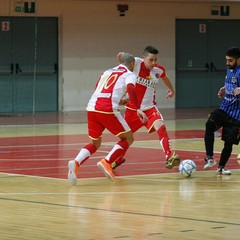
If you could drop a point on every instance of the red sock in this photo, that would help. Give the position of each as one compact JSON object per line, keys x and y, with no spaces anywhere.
{"x":118,"y":151}
{"x":85,"y":153}
{"x":164,"y":141}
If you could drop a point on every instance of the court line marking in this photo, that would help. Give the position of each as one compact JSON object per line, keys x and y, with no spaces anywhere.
{"x":122,"y":212}
{"x":113,"y":193}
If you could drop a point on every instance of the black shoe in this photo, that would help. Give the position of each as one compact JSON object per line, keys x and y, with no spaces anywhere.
{"x":173,"y":161}
{"x":114,"y":164}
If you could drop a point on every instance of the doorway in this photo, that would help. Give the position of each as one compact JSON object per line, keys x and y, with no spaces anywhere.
{"x":29,"y":64}
{"x":200,"y":59}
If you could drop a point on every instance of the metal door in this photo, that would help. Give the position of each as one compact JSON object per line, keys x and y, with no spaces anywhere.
{"x":28,"y":75}
{"x":200,"y":60}
{"x":6,"y":65}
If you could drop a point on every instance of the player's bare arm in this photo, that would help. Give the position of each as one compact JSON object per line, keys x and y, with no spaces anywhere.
{"x":168,"y":84}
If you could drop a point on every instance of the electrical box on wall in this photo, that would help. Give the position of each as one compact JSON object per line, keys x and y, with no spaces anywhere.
{"x":29,"y":7}
{"x":224,"y":10}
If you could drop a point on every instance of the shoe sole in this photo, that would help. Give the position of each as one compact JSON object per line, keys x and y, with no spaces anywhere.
{"x":175,"y":163}
{"x":224,"y":174}
{"x":104,"y":170}
{"x":72,"y":178}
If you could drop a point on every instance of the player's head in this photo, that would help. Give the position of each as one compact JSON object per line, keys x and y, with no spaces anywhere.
{"x":150,"y":56}
{"x":232,"y":57}
{"x":128,"y":60}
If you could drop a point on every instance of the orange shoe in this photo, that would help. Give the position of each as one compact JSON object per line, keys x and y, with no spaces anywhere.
{"x":107,"y":169}
{"x":73,"y":167}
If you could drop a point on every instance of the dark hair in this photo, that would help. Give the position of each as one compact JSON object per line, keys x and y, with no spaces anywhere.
{"x":233,"y":52}
{"x":150,"y":49}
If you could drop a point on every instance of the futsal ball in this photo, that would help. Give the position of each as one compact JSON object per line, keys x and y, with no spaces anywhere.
{"x":187,"y":167}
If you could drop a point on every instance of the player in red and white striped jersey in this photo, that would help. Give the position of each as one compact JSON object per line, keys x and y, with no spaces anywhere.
{"x":103,"y":113}
{"x":148,"y":74}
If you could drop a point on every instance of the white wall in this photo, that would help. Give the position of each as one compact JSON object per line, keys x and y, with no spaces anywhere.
{"x":91,"y":33}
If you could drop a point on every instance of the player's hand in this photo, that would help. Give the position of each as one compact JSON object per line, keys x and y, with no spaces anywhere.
{"x":170,"y":94}
{"x":238,"y":158}
{"x":221,"y":92}
{"x":236,"y":91}
{"x":124,"y":101}
{"x":142,"y":116}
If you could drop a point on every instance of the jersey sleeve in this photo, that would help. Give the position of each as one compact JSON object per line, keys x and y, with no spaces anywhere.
{"x":162,"y":71}
{"x":131,"y":78}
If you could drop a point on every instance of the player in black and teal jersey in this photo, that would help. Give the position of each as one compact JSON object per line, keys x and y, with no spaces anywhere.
{"x":227,"y":116}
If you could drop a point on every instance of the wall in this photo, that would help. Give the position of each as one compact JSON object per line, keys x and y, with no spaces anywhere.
{"x":91,"y":33}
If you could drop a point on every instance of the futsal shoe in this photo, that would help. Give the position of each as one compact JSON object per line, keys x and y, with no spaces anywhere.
{"x":210,"y":162}
{"x":173,"y":161}
{"x":107,"y":169}
{"x":115,"y":164}
{"x":73,"y":167}
{"x":223,"y":171}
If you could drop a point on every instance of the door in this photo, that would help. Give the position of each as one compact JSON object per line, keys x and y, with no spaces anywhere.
{"x":200,"y":60}
{"x":28,"y":73}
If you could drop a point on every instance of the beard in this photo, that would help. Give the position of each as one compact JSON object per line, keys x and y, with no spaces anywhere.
{"x":232,"y":66}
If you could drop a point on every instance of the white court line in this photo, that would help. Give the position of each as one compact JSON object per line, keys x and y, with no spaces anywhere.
{"x":118,"y":193}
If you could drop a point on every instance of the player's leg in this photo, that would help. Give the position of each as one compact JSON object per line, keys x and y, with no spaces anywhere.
{"x":213,"y":123}
{"x":117,"y":125}
{"x":95,"y":130}
{"x":156,"y":123}
{"x":226,"y":153}
{"x":134,"y":123}
{"x":230,"y":136}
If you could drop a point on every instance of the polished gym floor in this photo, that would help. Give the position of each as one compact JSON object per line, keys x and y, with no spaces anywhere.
{"x":147,"y":201}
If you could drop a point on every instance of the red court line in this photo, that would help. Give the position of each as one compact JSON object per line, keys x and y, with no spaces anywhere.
{"x":59,"y":139}
{"x":47,"y":156}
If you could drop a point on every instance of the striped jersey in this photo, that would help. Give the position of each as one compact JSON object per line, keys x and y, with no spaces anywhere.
{"x":231,"y":103}
{"x":110,"y":89}
{"x":147,"y":81}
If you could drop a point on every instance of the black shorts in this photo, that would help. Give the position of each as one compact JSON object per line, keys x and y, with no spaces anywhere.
{"x":230,"y":126}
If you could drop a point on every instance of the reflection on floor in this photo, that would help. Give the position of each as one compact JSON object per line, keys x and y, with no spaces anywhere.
{"x":43,"y":143}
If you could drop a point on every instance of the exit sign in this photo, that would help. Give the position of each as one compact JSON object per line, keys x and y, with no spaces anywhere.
{"x":19,"y":9}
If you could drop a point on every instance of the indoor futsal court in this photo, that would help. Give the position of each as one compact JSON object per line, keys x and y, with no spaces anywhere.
{"x":147,"y":201}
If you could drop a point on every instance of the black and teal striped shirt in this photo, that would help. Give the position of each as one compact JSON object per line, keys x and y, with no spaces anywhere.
{"x":231,"y":103}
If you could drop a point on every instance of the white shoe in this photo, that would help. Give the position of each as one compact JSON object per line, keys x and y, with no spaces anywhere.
{"x":223,"y":171}
{"x":72,"y":172}
{"x":210,"y":163}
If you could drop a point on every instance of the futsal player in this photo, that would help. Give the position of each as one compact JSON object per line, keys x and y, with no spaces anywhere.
{"x":227,"y":116}
{"x":103,"y":113}
{"x":149,"y":73}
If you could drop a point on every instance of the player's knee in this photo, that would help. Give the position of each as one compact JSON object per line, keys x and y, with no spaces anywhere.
{"x":130,"y":140}
{"x":210,"y":126}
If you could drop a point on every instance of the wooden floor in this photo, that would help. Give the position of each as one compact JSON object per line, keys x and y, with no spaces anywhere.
{"x":147,"y":201}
